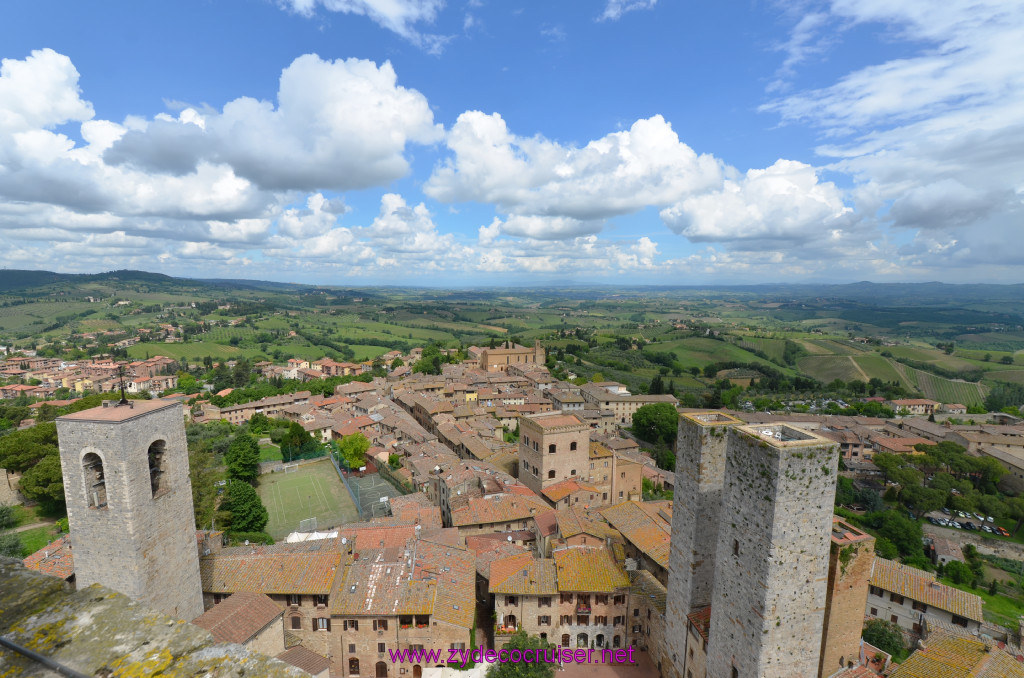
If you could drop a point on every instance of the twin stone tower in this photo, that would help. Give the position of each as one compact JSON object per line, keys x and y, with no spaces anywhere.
{"x":750,"y":529}
{"x":751,"y":526}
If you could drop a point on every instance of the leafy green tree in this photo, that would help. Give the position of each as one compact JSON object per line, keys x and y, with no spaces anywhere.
{"x":294,"y":439}
{"x":886,"y":549}
{"x":884,"y":635}
{"x":243,"y":458}
{"x":43,"y":483}
{"x":656,"y":423}
{"x":259,"y":423}
{"x":353,"y":449}
{"x":10,"y":543}
{"x":431,"y":360}
{"x":21,"y":450}
{"x":395,"y":461}
{"x":958,"y":572}
{"x":7,"y":516}
{"x":521,"y":641}
{"x":204,"y":475}
{"x":904,"y":533}
{"x":396,"y":363}
{"x":844,"y":491}
{"x":187,"y":383}
{"x":242,"y":508}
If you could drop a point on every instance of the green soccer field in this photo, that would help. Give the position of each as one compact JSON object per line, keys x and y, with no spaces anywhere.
{"x":313,"y":490}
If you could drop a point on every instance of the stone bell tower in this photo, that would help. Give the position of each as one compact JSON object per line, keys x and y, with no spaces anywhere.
{"x":129,"y":502}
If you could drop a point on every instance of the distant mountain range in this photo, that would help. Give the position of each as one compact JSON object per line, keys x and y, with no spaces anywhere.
{"x":898,"y":294}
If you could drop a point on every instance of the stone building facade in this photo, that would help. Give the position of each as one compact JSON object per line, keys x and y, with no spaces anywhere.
{"x":909,"y":598}
{"x":129,"y":500}
{"x":499,"y":359}
{"x":771,"y":564}
{"x":696,"y":505}
{"x":553,"y":446}
{"x":851,"y":555}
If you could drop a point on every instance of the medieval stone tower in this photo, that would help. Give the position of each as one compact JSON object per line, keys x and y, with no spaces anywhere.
{"x":771,"y":565}
{"x":129,"y":503}
{"x":851,"y":555}
{"x":553,"y":446}
{"x":697,"y":504}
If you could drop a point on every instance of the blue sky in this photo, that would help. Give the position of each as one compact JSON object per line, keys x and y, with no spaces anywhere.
{"x":461,"y":143}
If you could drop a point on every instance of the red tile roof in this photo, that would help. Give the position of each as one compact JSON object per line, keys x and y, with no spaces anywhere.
{"x":305,"y":659}
{"x":309,"y":573}
{"x":240,"y":617}
{"x":54,"y":559}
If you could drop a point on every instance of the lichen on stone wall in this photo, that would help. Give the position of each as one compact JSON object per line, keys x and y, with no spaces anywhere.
{"x":102,"y":633}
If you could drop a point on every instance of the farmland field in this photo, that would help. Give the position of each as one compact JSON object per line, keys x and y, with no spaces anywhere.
{"x":830,"y":367}
{"x":947,"y":391}
{"x":1011,"y":376}
{"x":773,"y":348}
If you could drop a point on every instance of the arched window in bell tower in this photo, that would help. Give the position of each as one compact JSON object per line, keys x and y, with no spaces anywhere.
{"x":157,"y":481}
{"x":95,"y":481}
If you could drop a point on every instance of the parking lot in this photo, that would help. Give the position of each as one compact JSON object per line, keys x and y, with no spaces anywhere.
{"x":960,"y":520}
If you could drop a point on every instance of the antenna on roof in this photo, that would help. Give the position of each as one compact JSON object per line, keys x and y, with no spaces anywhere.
{"x":120,"y":377}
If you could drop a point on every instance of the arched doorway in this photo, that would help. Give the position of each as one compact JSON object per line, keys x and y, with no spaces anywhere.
{"x":381,"y":670}
{"x":565,"y":640}
{"x":582,"y":640}
{"x":353,"y":666}
{"x":417,"y":671}
{"x":510,"y":621}
{"x":544,"y":636}
{"x":599,"y":640}
{"x":615,"y":641}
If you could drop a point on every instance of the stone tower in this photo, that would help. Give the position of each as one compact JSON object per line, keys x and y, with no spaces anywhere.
{"x":771,"y":565}
{"x":696,"y":507}
{"x":851,"y":555}
{"x":553,"y":446}
{"x":129,"y":501}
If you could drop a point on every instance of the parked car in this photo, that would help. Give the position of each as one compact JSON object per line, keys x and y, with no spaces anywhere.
{"x":970,"y":526}
{"x":986,"y":528}
{"x":955,"y":525}
{"x":945,"y":510}
{"x":1003,"y":531}
{"x":980,"y":517}
{"x":933,"y":521}
{"x":989,"y":519}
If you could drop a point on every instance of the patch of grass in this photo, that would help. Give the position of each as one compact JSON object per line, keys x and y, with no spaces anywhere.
{"x":36,"y":538}
{"x":1003,"y":608}
{"x":270,"y":453}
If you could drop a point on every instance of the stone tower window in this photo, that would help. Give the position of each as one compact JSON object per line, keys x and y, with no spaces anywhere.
{"x":157,"y":481}
{"x":551,"y":448}
{"x":551,"y":473}
{"x":95,"y":481}
{"x":572,"y":445}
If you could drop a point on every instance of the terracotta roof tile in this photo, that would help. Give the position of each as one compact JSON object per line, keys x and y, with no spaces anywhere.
{"x":54,"y":559}
{"x":523,"y":575}
{"x":589,"y":570}
{"x":946,"y":655}
{"x":643,"y":527}
{"x":240,"y":617}
{"x":305,"y":659}
{"x":309,"y":573}
{"x":921,"y":586}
